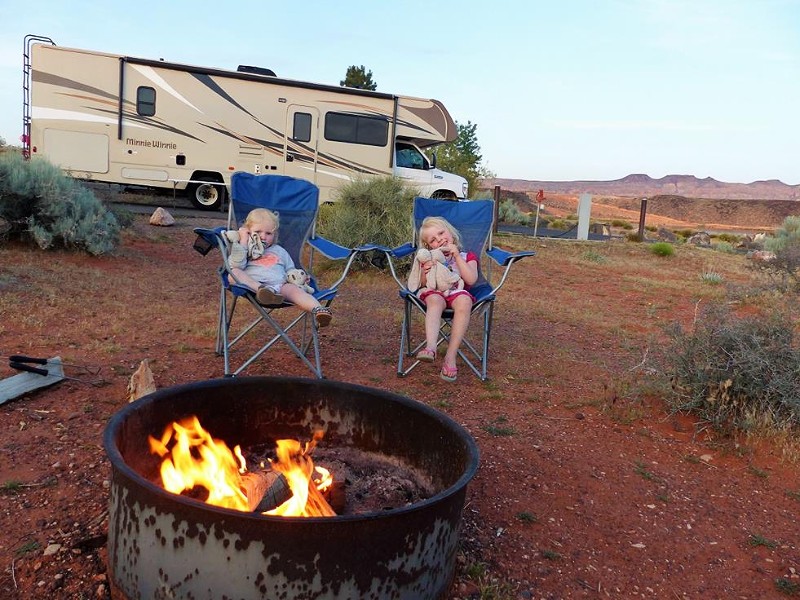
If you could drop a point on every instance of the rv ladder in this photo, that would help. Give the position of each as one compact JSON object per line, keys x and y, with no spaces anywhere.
{"x":26,"y":90}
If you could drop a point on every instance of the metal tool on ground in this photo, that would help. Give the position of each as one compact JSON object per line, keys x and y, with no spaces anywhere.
{"x":55,"y":369}
{"x":19,"y":358}
{"x":23,"y":383}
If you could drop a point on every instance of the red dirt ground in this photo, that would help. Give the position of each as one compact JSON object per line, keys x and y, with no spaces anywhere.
{"x":584,"y":490}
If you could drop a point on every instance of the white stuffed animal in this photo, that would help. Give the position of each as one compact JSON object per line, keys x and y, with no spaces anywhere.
{"x":439,"y":277}
{"x":300,"y":278}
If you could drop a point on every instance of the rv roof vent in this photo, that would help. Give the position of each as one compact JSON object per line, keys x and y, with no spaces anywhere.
{"x":256,"y":70}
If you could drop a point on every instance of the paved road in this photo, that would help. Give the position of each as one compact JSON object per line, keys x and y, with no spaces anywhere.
{"x":182,"y":207}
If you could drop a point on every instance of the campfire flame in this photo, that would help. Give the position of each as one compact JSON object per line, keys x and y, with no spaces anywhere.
{"x":192,"y":458}
{"x":294,"y":461}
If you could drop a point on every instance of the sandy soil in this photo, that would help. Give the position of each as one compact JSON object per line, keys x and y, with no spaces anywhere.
{"x":585,"y":490}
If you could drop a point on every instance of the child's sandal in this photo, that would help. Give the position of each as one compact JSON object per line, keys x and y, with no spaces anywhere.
{"x":267,"y":297}
{"x":322,"y":315}
{"x":448,"y":373}
{"x":426,"y":355}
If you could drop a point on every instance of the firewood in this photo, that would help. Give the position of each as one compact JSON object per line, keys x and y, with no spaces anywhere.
{"x":265,"y":490}
{"x":336,"y":497}
{"x":316,"y":502}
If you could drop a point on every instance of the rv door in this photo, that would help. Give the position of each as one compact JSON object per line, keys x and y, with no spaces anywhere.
{"x":300,"y":146}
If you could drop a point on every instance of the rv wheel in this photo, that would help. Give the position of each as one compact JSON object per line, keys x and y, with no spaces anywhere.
{"x":206,"y":196}
{"x":444,"y":195}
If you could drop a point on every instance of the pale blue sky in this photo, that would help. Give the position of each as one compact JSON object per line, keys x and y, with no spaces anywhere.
{"x":559,"y":90}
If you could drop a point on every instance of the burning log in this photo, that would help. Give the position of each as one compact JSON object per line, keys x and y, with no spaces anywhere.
{"x":265,"y":490}
{"x":316,"y":503}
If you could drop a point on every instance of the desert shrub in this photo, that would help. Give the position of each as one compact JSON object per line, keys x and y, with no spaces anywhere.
{"x":784,"y":269}
{"x":559,"y":224}
{"x":595,"y":257}
{"x":725,"y":247}
{"x":509,"y":213}
{"x":53,"y":210}
{"x":730,"y":238}
{"x":376,"y":210}
{"x":685,"y":234}
{"x":787,"y":234}
{"x":652,"y":228}
{"x":124,"y":217}
{"x":633,"y":236}
{"x":711,"y":277}
{"x":662,"y":249}
{"x":736,"y":372}
{"x":622,"y":223}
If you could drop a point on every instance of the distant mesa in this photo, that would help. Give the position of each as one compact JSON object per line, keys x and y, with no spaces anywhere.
{"x":640,"y":185}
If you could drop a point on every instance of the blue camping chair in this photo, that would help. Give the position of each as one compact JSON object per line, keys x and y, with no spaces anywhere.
{"x":297,"y":202}
{"x":475,"y":222}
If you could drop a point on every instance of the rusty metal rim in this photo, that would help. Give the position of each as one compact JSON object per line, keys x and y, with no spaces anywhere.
{"x":116,"y":457}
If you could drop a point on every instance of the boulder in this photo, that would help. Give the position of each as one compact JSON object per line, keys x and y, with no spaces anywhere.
{"x":761,"y":256}
{"x":665,"y":235}
{"x":161,"y":218}
{"x":701,"y":239}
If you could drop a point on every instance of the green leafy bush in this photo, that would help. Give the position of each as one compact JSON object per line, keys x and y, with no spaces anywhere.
{"x":51,"y":209}
{"x":376,"y":210}
{"x":662,"y":249}
{"x":736,"y":372}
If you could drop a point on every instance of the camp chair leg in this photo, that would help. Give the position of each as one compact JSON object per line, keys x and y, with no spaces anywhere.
{"x":281,"y":333}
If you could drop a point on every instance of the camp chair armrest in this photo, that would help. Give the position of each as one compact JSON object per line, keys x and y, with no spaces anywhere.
{"x":208,"y":239}
{"x":329,"y":249}
{"x":505,"y":258}
{"x":404,"y":250}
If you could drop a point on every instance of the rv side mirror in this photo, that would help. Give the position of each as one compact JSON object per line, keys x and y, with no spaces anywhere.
{"x":433,"y":160}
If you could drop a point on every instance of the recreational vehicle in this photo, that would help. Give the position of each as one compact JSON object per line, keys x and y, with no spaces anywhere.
{"x":143,"y":122}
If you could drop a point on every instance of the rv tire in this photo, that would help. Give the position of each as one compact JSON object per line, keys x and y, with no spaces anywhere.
{"x":444,"y":195}
{"x":206,"y":196}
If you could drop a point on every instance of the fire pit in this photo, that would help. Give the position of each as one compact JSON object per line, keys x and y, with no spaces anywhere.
{"x":161,"y":545}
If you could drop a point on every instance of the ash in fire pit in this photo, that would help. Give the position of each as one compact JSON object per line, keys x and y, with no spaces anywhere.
{"x":370,"y":481}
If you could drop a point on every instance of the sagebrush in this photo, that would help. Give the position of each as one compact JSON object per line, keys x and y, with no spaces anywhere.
{"x":376,"y":211}
{"x":43,"y":205}
{"x":736,"y":372}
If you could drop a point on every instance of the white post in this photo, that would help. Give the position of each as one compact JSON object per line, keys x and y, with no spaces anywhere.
{"x":584,"y":214}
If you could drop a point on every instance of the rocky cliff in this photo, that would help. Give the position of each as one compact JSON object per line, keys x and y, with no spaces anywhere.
{"x":638,"y":185}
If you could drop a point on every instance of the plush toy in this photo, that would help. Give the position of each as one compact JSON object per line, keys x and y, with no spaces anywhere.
{"x":255,"y":247}
{"x":300,"y":278}
{"x":439,"y":277}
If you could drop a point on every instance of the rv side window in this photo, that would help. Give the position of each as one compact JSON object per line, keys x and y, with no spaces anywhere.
{"x":146,"y":101}
{"x":302,"y":127}
{"x":355,"y":129}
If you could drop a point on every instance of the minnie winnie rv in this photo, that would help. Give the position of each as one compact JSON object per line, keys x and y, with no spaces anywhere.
{"x":142,"y":122}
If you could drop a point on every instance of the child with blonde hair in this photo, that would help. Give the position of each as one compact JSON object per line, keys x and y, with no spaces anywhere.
{"x":436,"y":232}
{"x":258,"y":262}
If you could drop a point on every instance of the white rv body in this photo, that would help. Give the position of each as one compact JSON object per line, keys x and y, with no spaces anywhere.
{"x":141,"y":122}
